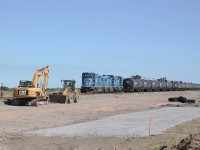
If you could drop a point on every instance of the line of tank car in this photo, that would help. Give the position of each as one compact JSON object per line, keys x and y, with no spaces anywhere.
{"x":94,"y":83}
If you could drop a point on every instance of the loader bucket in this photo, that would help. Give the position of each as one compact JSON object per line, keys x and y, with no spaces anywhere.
{"x":54,"y":98}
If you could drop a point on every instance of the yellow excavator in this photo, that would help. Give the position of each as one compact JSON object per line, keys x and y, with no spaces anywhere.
{"x":68,"y":93}
{"x":28,"y":92}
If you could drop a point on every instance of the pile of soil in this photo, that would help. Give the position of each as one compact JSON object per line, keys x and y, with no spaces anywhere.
{"x":190,"y":143}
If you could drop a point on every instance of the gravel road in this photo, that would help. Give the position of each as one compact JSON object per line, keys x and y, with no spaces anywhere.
{"x":125,"y":125}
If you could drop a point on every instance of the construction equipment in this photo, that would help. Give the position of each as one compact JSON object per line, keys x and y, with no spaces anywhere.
{"x":28,"y":92}
{"x":67,"y":95}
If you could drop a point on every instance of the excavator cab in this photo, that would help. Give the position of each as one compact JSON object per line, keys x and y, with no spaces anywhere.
{"x":25,"y":83}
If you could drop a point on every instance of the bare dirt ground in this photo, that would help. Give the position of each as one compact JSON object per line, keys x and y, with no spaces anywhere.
{"x":15,"y":120}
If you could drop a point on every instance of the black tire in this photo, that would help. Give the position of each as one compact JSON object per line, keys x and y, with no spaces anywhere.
{"x":76,"y":97}
{"x":191,"y":101}
{"x":48,"y":100}
{"x":96,"y":91}
{"x":173,"y":99}
{"x":68,"y":99}
{"x":182,"y":99}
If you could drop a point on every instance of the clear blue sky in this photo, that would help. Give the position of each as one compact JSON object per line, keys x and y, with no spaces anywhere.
{"x":153,"y":38}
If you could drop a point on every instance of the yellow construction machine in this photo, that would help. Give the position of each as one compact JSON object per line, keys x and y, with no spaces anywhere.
{"x":28,"y":92}
{"x":68,"y":93}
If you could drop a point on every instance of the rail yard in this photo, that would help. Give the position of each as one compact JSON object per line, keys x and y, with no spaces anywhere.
{"x":95,"y":83}
{"x":109,"y":112}
{"x":16,"y":121}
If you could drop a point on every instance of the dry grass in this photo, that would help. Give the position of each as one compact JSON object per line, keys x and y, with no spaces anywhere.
{"x":7,"y":93}
{"x":175,"y":135}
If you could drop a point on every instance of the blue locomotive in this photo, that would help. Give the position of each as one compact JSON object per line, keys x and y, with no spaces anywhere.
{"x":94,"y":83}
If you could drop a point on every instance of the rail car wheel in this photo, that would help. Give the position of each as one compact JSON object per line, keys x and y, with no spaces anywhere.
{"x":95,"y":91}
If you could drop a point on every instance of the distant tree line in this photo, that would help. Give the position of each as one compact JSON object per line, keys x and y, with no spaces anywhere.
{"x":163,"y":79}
{"x":53,"y":88}
{"x":5,"y":88}
{"x":140,"y":77}
{"x":136,"y":77}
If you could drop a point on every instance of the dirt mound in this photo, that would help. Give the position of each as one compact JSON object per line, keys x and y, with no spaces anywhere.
{"x":190,"y":143}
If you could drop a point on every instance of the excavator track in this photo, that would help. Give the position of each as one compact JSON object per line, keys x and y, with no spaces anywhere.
{"x":37,"y":102}
{"x":28,"y":102}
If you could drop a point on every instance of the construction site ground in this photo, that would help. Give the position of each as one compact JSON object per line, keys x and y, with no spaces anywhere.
{"x":15,"y":120}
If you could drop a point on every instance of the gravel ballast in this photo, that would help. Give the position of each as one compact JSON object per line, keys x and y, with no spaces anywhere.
{"x":125,"y":125}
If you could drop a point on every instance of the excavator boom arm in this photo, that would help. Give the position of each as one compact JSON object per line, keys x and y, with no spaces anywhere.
{"x":42,"y":72}
{"x":46,"y":78}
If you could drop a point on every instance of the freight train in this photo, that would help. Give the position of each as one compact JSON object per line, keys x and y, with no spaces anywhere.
{"x":94,"y":83}
{"x":142,"y":85}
